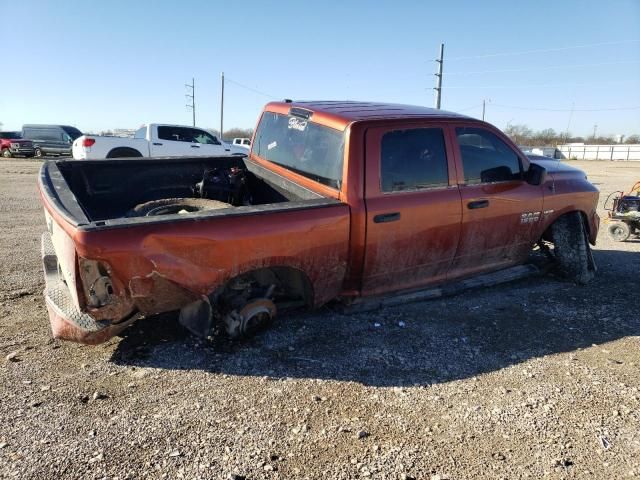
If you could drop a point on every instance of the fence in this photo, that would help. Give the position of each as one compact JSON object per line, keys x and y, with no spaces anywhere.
{"x":599,"y":152}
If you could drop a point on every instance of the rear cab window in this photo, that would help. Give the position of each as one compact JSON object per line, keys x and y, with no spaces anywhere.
{"x":486,"y":158}
{"x":298,"y":144}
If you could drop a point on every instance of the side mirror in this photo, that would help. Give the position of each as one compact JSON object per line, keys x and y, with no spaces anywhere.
{"x":536,"y":175}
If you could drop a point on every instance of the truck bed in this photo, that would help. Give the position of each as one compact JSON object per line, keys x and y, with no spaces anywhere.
{"x":99,"y":194}
{"x":144,"y":265}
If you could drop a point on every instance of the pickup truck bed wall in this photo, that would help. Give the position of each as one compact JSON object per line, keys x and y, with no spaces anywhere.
{"x":107,"y":191}
{"x":146,"y":256}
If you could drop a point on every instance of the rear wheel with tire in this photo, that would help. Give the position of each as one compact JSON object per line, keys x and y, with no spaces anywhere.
{"x":571,"y":248}
{"x":619,"y":231}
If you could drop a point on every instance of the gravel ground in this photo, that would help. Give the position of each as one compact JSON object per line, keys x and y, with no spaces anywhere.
{"x":538,"y":378}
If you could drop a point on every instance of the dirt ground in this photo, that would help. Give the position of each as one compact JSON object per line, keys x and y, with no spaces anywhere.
{"x":537,"y":378}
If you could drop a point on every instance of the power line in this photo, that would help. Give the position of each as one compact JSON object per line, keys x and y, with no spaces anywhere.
{"x":249,"y":88}
{"x":550,"y":67}
{"x":549,"y":85}
{"x":566,"y":109}
{"x":544,"y":50}
{"x":465,"y":109}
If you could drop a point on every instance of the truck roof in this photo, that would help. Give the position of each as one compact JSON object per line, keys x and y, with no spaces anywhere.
{"x":341,"y":113}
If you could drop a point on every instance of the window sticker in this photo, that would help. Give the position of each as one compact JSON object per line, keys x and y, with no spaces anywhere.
{"x":272,"y":145}
{"x":297,"y":124}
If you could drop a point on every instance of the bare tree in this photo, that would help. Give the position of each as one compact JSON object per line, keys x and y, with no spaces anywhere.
{"x":632,"y":139}
{"x":238,"y":132}
{"x":520,"y":134}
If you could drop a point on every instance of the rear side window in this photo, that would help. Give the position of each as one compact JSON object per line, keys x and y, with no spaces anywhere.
{"x":413,"y":159}
{"x":175,"y":134}
{"x":141,"y":133}
{"x":486,"y":158}
{"x":52,"y":134}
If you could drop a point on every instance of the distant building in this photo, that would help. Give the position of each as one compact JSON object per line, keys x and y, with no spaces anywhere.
{"x":123,"y":132}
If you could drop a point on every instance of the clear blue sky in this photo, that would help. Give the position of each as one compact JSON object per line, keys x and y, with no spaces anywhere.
{"x":110,"y":64}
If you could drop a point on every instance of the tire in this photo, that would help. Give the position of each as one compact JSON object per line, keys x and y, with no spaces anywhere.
{"x":170,"y":206}
{"x":571,"y":248}
{"x":6,"y":153}
{"x":124,"y":152}
{"x":38,"y":153}
{"x":619,"y":231}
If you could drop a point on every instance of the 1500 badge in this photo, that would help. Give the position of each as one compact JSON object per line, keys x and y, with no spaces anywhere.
{"x":529,"y":217}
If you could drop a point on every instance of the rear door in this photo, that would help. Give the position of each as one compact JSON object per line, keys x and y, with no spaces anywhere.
{"x":413,"y":207}
{"x":172,"y":141}
{"x":499,"y":208}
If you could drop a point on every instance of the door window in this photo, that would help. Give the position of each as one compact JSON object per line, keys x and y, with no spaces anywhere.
{"x":413,"y":159}
{"x":486,"y":158}
{"x":200,"y":136}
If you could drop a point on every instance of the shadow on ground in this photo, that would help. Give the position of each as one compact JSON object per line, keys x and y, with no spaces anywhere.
{"x":415,"y":344}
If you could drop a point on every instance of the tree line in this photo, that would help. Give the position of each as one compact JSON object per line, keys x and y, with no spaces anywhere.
{"x":523,"y":135}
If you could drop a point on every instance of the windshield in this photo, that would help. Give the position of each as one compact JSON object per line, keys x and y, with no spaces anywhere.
{"x":72,"y":132}
{"x":301,"y":146}
{"x":10,"y":135}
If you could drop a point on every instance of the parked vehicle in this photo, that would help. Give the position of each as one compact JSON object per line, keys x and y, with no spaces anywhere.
{"x":51,"y":139}
{"x":13,"y":145}
{"x":242,"y":142}
{"x":623,"y":218}
{"x":229,"y":241}
{"x":154,"y":140}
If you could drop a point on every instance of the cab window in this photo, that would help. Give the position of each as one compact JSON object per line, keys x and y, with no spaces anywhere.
{"x":413,"y":159}
{"x":486,"y":158}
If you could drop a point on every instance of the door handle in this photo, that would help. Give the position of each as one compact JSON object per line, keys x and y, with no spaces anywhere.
{"x":478,"y":204}
{"x":195,"y":146}
{"x":386,"y":217}
{"x":157,"y":143}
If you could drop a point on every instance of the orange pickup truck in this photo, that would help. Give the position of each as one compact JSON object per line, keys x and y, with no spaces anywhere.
{"x":336,"y":201}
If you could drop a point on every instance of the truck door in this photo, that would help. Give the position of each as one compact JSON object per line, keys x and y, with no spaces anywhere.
{"x":499,"y":208}
{"x":209,"y":145}
{"x":413,"y":207}
{"x":174,"y":141}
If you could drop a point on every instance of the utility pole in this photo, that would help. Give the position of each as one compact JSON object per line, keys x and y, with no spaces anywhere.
{"x":595,"y":129}
{"x":438,"y":75}
{"x":484,"y":106}
{"x":192,"y":105}
{"x":566,"y":133}
{"x":222,"y":106}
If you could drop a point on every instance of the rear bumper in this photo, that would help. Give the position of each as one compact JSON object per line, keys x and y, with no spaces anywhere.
{"x":67,"y":322}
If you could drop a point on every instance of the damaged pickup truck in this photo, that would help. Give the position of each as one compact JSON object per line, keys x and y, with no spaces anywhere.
{"x":337,"y":201}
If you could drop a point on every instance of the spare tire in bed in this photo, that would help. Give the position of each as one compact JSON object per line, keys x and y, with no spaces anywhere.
{"x":172,"y":206}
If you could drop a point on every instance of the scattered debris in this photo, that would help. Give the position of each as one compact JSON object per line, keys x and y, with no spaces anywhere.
{"x":13,"y":356}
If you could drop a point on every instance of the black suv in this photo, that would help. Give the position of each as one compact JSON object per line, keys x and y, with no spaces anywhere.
{"x":51,"y":139}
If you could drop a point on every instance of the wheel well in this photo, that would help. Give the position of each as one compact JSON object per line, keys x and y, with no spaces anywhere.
{"x":547,"y":233}
{"x":291,"y":284}
{"x":123,"y":152}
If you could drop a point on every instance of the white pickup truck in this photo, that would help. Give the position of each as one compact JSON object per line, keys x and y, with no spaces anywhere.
{"x":154,"y":140}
